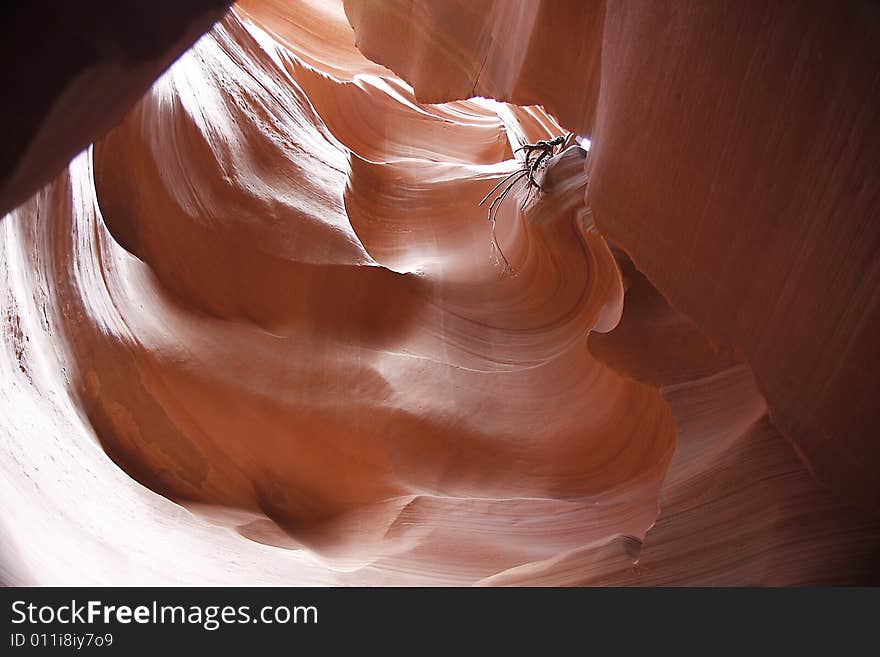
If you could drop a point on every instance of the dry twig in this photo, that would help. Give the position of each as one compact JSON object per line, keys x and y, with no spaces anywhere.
{"x":536,"y":156}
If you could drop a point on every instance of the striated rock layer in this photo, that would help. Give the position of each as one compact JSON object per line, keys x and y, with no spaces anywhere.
{"x":260,"y":332}
{"x":729,"y":140}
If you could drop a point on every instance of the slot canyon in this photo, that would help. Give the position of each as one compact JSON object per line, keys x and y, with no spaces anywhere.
{"x":284,"y":304}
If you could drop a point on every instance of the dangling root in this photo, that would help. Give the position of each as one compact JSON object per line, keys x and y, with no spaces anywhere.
{"x":546,"y":148}
{"x":496,"y":204}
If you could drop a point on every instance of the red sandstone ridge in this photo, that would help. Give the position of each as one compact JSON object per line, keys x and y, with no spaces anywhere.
{"x":262,"y":319}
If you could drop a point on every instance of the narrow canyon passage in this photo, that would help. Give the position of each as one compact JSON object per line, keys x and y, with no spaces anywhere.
{"x":262,"y":331}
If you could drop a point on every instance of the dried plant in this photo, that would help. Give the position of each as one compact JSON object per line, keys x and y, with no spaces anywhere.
{"x":536,"y":157}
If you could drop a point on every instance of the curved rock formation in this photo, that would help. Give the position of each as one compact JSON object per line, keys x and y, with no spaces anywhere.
{"x":726,"y":137}
{"x":527,"y":52}
{"x":263,"y":330}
